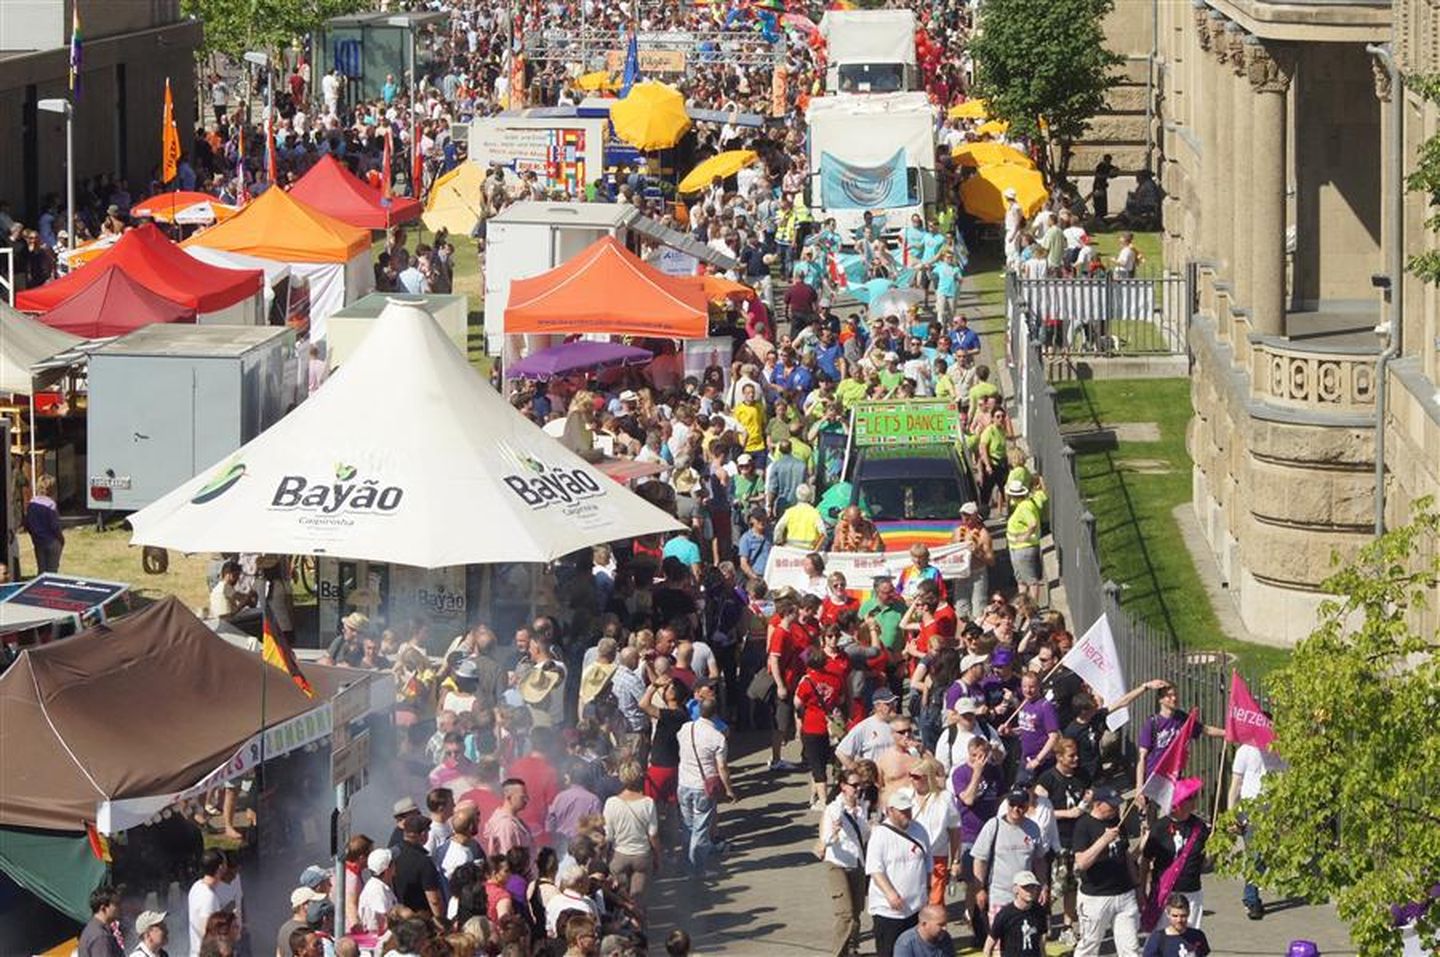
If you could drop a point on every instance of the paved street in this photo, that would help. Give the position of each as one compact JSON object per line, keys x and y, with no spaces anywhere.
{"x":772,"y":899}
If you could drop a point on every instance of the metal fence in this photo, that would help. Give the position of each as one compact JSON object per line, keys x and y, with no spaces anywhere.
{"x":1202,"y":677}
{"x":1102,"y":315}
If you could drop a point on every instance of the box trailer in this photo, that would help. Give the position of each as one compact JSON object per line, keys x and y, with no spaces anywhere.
{"x":168,"y":401}
{"x":870,"y":51}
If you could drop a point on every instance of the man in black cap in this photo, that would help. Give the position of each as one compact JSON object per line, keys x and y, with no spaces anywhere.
{"x":417,"y":879}
{"x":1107,"y":879}
{"x":1008,"y":844}
{"x":403,"y":809}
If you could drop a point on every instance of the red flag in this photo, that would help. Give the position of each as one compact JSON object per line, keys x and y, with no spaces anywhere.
{"x":1160,"y":786}
{"x":277,"y":651}
{"x":99,"y":843}
{"x":1245,"y":723}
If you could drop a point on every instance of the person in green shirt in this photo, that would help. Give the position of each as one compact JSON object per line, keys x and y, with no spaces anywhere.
{"x":983,"y":387}
{"x":884,"y":609}
{"x":747,"y":491}
{"x":853,"y":388}
{"x":944,"y":385}
{"x":1022,"y":540}
{"x":993,"y":458}
{"x":890,"y":376}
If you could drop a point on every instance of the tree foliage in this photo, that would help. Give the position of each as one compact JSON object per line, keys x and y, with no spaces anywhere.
{"x":1049,"y":60}
{"x":1426,"y":179}
{"x":234,"y":26}
{"x":1356,"y":818}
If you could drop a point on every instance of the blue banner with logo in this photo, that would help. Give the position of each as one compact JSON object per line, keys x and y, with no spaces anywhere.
{"x":850,"y":186}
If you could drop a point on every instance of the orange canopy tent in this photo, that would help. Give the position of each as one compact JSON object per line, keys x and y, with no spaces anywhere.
{"x":277,"y":226}
{"x":335,"y":191}
{"x":609,"y":290}
{"x":716,"y":288}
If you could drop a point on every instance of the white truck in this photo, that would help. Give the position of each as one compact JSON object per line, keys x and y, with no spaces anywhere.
{"x":854,"y":141}
{"x":870,"y":51}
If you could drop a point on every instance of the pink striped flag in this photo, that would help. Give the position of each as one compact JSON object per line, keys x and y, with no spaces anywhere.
{"x":1245,"y":723}
{"x":1160,"y":786}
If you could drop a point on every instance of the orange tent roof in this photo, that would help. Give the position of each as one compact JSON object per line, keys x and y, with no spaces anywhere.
{"x":717,"y":287}
{"x":332,"y":189}
{"x":280,"y":227}
{"x":607,"y":289}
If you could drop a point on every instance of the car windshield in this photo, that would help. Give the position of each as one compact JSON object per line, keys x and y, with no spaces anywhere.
{"x":907,"y":499}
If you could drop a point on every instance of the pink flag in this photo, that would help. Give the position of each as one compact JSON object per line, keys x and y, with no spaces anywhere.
{"x":1160,"y":786}
{"x":1245,"y":723}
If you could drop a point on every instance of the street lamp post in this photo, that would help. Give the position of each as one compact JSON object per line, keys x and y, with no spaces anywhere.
{"x":409,"y":28}
{"x":262,"y":60}
{"x":65,"y":107}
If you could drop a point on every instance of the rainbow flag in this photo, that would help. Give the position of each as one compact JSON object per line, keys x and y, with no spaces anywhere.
{"x":932,"y":533}
{"x":76,"y":53}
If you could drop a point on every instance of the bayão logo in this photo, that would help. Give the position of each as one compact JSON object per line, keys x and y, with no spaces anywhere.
{"x":540,"y":485}
{"x":346,"y":493}
{"x":221,"y":482}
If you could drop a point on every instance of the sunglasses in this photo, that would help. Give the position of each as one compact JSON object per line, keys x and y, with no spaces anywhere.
{"x":850,"y":784}
{"x":909,"y":731}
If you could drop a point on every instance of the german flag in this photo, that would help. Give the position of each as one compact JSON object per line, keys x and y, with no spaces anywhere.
{"x":277,"y":651}
{"x":99,"y":843}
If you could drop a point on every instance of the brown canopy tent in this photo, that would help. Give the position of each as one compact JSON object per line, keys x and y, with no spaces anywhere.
{"x":144,"y":707}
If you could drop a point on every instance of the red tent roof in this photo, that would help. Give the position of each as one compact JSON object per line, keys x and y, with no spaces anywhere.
{"x":607,"y":289}
{"x":146,"y":256}
{"x":113,"y":305}
{"x":334,"y":190}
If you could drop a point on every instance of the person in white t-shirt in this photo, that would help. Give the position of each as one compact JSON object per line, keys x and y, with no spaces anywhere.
{"x":1247,"y":780}
{"x":897,"y":861}
{"x":871,"y":737}
{"x":936,"y":812}
{"x":376,"y":897}
{"x":702,"y":755}
{"x":953,"y":746}
{"x":205,"y":895}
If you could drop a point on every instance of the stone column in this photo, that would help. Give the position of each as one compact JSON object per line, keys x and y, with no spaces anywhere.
{"x":1239,"y":188}
{"x":1221,"y":164}
{"x":1269,"y":67}
{"x":1202,"y":112}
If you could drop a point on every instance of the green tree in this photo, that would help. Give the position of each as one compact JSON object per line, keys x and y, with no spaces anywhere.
{"x":234,"y":26}
{"x":1356,"y":818}
{"x":1049,"y":60}
{"x":1426,"y":179}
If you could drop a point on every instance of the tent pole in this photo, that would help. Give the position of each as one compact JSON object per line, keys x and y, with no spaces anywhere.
{"x":34,"y":475}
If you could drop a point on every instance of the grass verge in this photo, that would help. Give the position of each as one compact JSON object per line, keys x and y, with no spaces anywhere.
{"x":1133,"y":489}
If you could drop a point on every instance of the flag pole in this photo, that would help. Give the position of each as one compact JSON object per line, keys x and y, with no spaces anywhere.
{"x":1220,"y":780}
{"x":264,"y":682}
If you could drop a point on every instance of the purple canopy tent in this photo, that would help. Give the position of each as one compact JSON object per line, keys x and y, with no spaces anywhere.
{"x":581,"y":356}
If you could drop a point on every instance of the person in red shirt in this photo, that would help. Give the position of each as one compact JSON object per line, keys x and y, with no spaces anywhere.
{"x":784,"y":646}
{"x":486,"y":793}
{"x":809,"y":620}
{"x":837,"y":599}
{"x":542,"y":782}
{"x":819,"y":694}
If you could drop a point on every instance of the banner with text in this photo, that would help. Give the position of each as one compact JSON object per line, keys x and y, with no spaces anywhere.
{"x":785,"y":566}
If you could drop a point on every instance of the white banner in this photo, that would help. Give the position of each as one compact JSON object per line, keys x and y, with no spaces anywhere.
{"x":1096,"y":661}
{"x":784,"y":566}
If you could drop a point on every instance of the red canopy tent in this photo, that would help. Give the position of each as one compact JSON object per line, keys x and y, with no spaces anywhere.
{"x":112,"y":305}
{"x":609,"y":290}
{"x":334,"y":190}
{"x":146,"y":256}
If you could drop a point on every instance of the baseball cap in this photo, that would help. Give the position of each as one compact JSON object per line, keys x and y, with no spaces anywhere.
{"x":1105,"y":796}
{"x":416,"y":824}
{"x":1026,"y":879}
{"x":404,"y":806}
{"x":466,"y":668}
{"x":314,"y":875}
{"x":966,"y":705}
{"x":1016,"y":797}
{"x":884,"y":694}
{"x":970,"y":661}
{"x":148,"y":919}
{"x":378,"y":861}
{"x":744,"y":459}
{"x":304,"y":895}
{"x":1001,"y":657}
{"x":969,"y":508}
{"x":903,"y":799}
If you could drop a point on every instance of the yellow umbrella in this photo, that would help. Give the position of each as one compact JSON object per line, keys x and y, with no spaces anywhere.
{"x":597,"y":80}
{"x":720,"y":165}
{"x":987,"y":153}
{"x":454,"y":203}
{"x":652,"y":117}
{"x":993,"y":128}
{"x":984,"y":194}
{"x":969,"y":110}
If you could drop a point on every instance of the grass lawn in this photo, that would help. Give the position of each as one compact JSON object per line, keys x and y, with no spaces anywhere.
{"x":1133,"y":490}
{"x":109,"y":555}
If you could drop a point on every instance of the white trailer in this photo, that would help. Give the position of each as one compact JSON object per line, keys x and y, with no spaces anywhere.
{"x":870,"y":51}
{"x":866,"y":131}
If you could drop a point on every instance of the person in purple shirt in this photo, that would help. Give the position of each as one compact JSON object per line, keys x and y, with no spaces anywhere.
{"x":1036,"y":724}
{"x":1001,"y":687}
{"x":978,"y":784}
{"x":968,"y":684}
{"x":1158,"y":732}
{"x":574,"y":802}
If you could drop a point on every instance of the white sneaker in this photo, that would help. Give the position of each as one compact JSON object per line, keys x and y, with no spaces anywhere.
{"x":783,"y":765}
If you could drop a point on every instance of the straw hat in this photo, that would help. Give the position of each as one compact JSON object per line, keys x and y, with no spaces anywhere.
{"x":537,"y":684}
{"x":595,"y":680}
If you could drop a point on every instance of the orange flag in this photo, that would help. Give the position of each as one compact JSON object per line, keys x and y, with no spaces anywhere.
{"x":169,"y":139}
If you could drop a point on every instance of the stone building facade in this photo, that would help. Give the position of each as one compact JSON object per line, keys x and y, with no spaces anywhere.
{"x":1276,"y":137}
